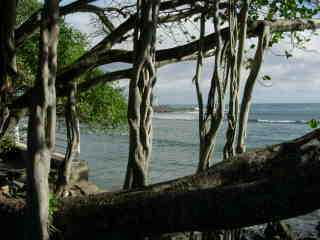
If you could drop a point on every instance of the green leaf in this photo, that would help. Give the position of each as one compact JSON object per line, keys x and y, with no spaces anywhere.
{"x":288,"y":55}
{"x":313,"y":123}
{"x":266,"y":78}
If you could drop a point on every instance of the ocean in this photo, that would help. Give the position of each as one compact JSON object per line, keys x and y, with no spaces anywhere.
{"x":175,"y":147}
{"x":175,"y":141}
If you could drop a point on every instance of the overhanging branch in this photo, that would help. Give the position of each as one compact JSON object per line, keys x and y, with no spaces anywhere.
{"x":27,"y":28}
{"x":164,"y":56}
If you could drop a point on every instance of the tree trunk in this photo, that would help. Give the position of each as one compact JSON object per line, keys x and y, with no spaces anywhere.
{"x":214,"y":113}
{"x":140,"y":109}
{"x":290,"y":171}
{"x":41,"y":127}
{"x":248,"y":89}
{"x":235,"y":58}
{"x":269,"y":184}
{"x":232,"y":59}
{"x":8,"y":66}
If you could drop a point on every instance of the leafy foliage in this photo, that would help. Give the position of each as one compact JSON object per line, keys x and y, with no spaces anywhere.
{"x":266,"y":78}
{"x":53,"y":204}
{"x":53,"y":208}
{"x":288,"y":9}
{"x":25,"y":9}
{"x":313,"y":123}
{"x":102,"y":101}
{"x":7,"y":145}
{"x":72,"y":45}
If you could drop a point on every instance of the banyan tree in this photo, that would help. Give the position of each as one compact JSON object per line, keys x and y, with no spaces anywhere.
{"x":219,"y":194}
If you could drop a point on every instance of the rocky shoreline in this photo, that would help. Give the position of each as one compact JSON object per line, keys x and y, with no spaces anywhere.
{"x":162,"y":109}
{"x":169,"y":109}
{"x":13,"y":174}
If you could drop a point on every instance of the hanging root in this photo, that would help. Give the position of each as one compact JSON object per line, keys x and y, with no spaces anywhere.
{"x":141,"y":94}
{"x":228,"y":150}
{"x":212,"y":117}
{"x":263,"y":43}
{"x":197,"y":79}
{"x":73,"y":135}
{"x":237,"y":38}
{"x":226,"y":73}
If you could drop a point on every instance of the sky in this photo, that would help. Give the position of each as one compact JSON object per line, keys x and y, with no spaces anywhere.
{"x":296,"y":79}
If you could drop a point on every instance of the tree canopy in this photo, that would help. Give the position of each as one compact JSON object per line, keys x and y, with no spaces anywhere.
{"x":285,"y":17}
{"x":99,"y":107}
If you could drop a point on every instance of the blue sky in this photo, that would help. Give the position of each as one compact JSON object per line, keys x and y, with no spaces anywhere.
{"x":293,"y":80}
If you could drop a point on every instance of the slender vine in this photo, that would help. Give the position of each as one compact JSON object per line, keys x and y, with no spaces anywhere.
{"x":263,"y":42}
{"x":197,"y":79}
{"x":73,"y":140}
{"x":228,"y":150}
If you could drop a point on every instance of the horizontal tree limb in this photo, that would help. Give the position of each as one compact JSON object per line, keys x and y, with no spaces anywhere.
{"x":89,"y":59}
{"x":103,"y":79}
{"x":269,"y":184}
{"x":170,"y":55}
{"x":29,"y":27}
{"x":165,"y":56}
{"x":180,"y":53}
{"x":188,"y":51}
{"x":101,"y":53}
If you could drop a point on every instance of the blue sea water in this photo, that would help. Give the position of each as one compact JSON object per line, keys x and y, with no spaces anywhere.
{"x":175,"y":142}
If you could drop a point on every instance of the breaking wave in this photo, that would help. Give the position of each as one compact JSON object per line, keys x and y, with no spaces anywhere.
{"x":278,"y":121}
{"x":171,"y":116}
{"x":191,"y":116}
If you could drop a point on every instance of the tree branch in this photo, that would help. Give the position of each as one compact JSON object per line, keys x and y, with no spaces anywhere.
{"x":28,"y":28}
{"x":165,"y":56}
{"x":187,"y":51}
{"x":103,"y":79}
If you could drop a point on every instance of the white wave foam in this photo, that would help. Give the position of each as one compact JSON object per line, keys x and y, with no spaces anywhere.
{"x":279,"y":121}
{"x":192,"y":115}
{"x":187,"y":116}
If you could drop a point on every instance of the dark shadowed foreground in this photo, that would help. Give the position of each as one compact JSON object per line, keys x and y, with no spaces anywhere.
{"x":274,"y":183}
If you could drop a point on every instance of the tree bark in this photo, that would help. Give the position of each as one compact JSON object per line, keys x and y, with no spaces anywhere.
{"x":270,"y":184}
{"x":73,"y":139}
{"x":8,"y":65}
{"x":41,"y":139}
{"x":140,"y":109}
{"x":237,"y":40}
{"x":248,"y":89}
{"x":215,"y":106}
{"x":196,"y":80}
